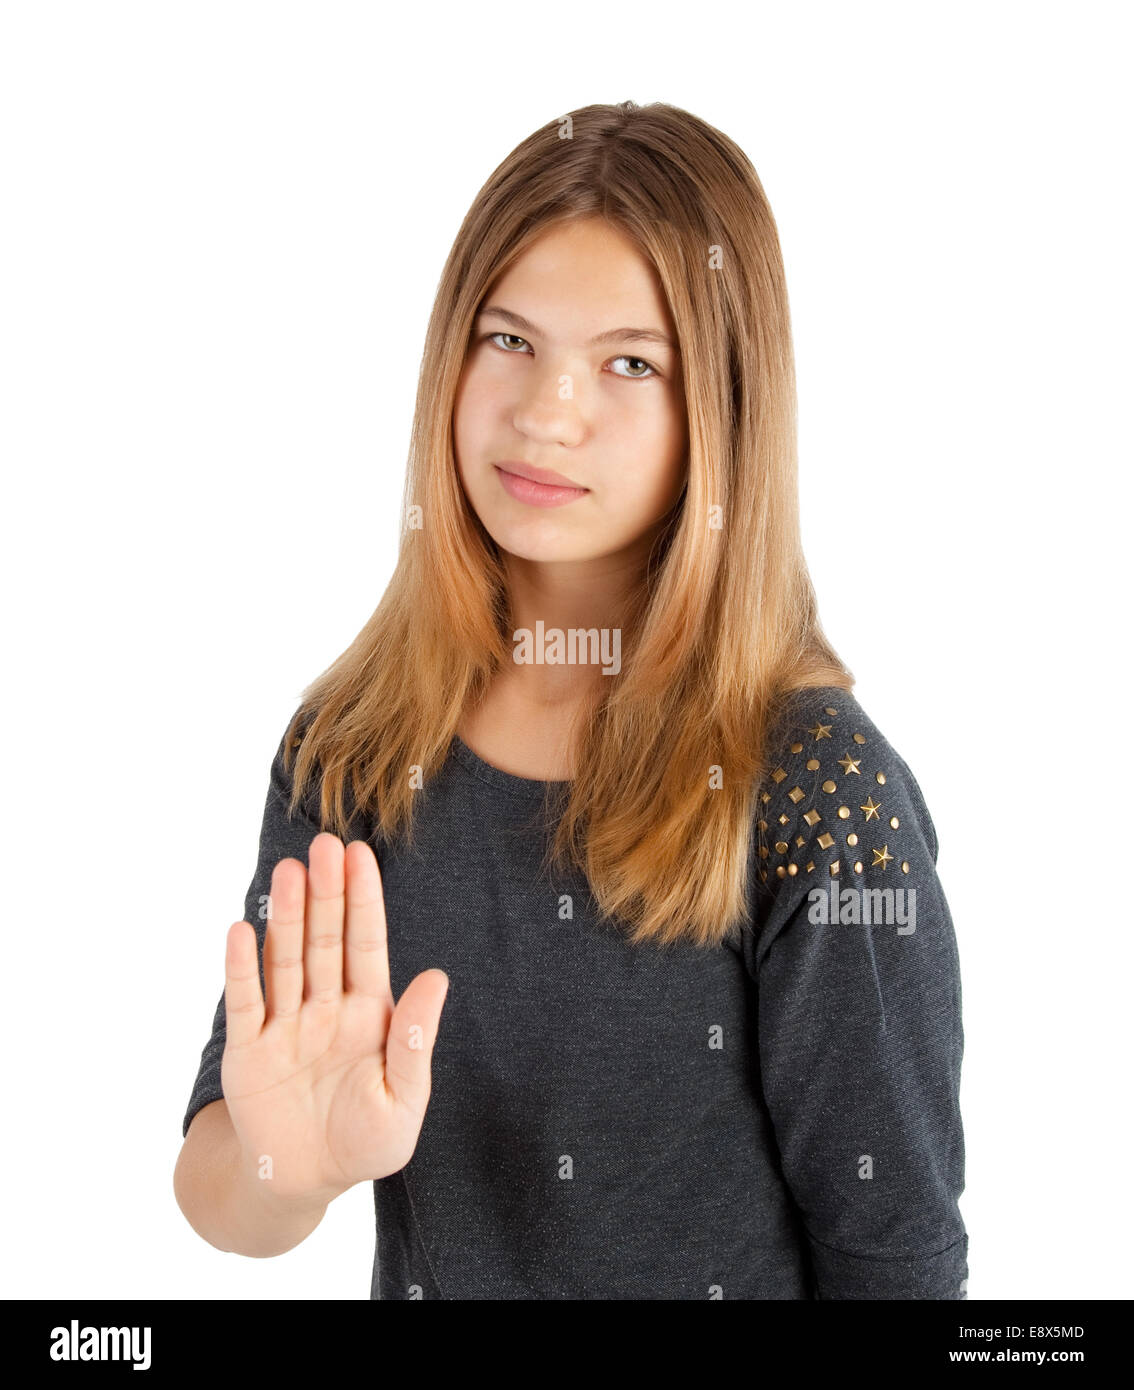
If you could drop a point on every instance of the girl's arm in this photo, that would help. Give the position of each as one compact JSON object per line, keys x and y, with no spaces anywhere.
{"x":859,"y":1026}
{"x":320,"y":1080}
{"x":225,"y":1202}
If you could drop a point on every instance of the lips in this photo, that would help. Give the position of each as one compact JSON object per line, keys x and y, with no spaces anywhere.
{"x":535,"y":491}
{"x":539,"y":475}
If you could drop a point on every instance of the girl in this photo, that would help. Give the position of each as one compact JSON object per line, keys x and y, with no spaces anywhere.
{"x":592,"y":778}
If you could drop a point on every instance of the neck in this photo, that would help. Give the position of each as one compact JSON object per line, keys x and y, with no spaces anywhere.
{"x":567,"y":596}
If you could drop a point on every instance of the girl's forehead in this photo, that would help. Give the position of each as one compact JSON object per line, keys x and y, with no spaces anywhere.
{"x":581,"y":291}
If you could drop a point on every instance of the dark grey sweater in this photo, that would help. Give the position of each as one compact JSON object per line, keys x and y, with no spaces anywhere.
{"x":776,"y":1118}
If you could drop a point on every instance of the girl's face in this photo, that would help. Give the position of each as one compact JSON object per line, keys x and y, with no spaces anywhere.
{"x":553,"y":385}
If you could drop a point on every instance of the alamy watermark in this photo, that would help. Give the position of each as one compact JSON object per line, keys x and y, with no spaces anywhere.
{"x":573,"y":646}
{"x":75,"y":1343}
{"x":864,"y":907}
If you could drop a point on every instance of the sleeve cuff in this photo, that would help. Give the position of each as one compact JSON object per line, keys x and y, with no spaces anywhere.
{"x":839,"y":1275}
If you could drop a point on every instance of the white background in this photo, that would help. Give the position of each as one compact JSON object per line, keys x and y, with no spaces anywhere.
{"x":222,"y":228}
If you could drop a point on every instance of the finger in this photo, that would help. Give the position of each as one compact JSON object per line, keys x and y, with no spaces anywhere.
{"x":367,"y":966}
{"x":409,"y":1042}
{"x":283,"y":941}
{"x":323,"y":928}
{"x":243,"y":1002}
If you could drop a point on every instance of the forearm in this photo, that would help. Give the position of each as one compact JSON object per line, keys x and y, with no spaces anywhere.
{"x":226,"y":1202}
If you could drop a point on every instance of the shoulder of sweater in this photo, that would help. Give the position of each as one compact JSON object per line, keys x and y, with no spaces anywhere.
{"x":838,"y":800}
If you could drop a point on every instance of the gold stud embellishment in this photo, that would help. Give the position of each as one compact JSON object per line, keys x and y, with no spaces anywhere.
{"x":790,"y":821}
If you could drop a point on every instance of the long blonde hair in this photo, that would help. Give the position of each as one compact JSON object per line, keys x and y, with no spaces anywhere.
{"x":659,"y":813}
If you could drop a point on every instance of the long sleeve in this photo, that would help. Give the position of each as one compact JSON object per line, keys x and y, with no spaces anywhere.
{"x":859,"y":1009}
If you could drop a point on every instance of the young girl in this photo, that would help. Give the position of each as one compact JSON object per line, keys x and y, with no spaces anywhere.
{"x":593,"y":779}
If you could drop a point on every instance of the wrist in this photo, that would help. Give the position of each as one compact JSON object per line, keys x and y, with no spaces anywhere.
{"x":278,"y":1198}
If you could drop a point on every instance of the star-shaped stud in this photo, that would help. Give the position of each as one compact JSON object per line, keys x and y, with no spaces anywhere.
{"x":820,"y":731}
{"x":881,"y":857}
{"x":849,"y":764}
{"x":871,"y":808}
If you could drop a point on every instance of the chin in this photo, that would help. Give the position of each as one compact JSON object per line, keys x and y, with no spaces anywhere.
{"x":542,"y":540}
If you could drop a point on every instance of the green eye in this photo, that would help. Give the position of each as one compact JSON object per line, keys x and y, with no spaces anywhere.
{"x":635,"y":377}
{"x":650,"y":371}
{"x":492,"y":336}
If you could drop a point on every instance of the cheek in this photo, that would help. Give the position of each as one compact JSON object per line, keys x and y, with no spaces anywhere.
{"x":471,"y":414}
{"x":655,"y":449}
{"x":639,"y":496}
{"x":655,"y":420}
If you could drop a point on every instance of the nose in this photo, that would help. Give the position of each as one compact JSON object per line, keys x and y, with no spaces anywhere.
{"x":548,"y":411}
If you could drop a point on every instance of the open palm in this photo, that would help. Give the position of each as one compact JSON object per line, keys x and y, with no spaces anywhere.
{"x":326,"y":1081}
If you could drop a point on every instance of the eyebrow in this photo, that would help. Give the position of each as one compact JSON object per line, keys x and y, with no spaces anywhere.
{"x":612,"y":335}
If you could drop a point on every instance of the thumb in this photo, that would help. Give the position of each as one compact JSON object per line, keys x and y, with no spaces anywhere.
{"x":413,"y":1031}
